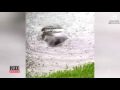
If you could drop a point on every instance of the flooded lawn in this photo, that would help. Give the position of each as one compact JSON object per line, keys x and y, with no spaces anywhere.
{"x":77,"y":49}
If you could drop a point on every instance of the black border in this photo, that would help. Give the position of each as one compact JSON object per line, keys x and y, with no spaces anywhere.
{"x":60,"y":6}
{"x":43,"y":84}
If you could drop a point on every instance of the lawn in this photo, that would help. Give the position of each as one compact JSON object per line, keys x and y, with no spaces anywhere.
{"x":84,"y":71}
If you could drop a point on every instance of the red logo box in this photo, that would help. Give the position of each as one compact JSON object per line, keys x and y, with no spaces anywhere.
{"x":14,"y":69}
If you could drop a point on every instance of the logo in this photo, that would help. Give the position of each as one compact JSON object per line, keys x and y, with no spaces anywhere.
{"x":114,"y":20}
{"x":14,"y":69}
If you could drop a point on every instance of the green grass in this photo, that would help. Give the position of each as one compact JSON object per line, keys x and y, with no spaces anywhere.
{"x":85,"y":71}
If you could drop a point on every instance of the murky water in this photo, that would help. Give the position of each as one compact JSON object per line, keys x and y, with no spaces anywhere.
{"x":76,"y":50}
